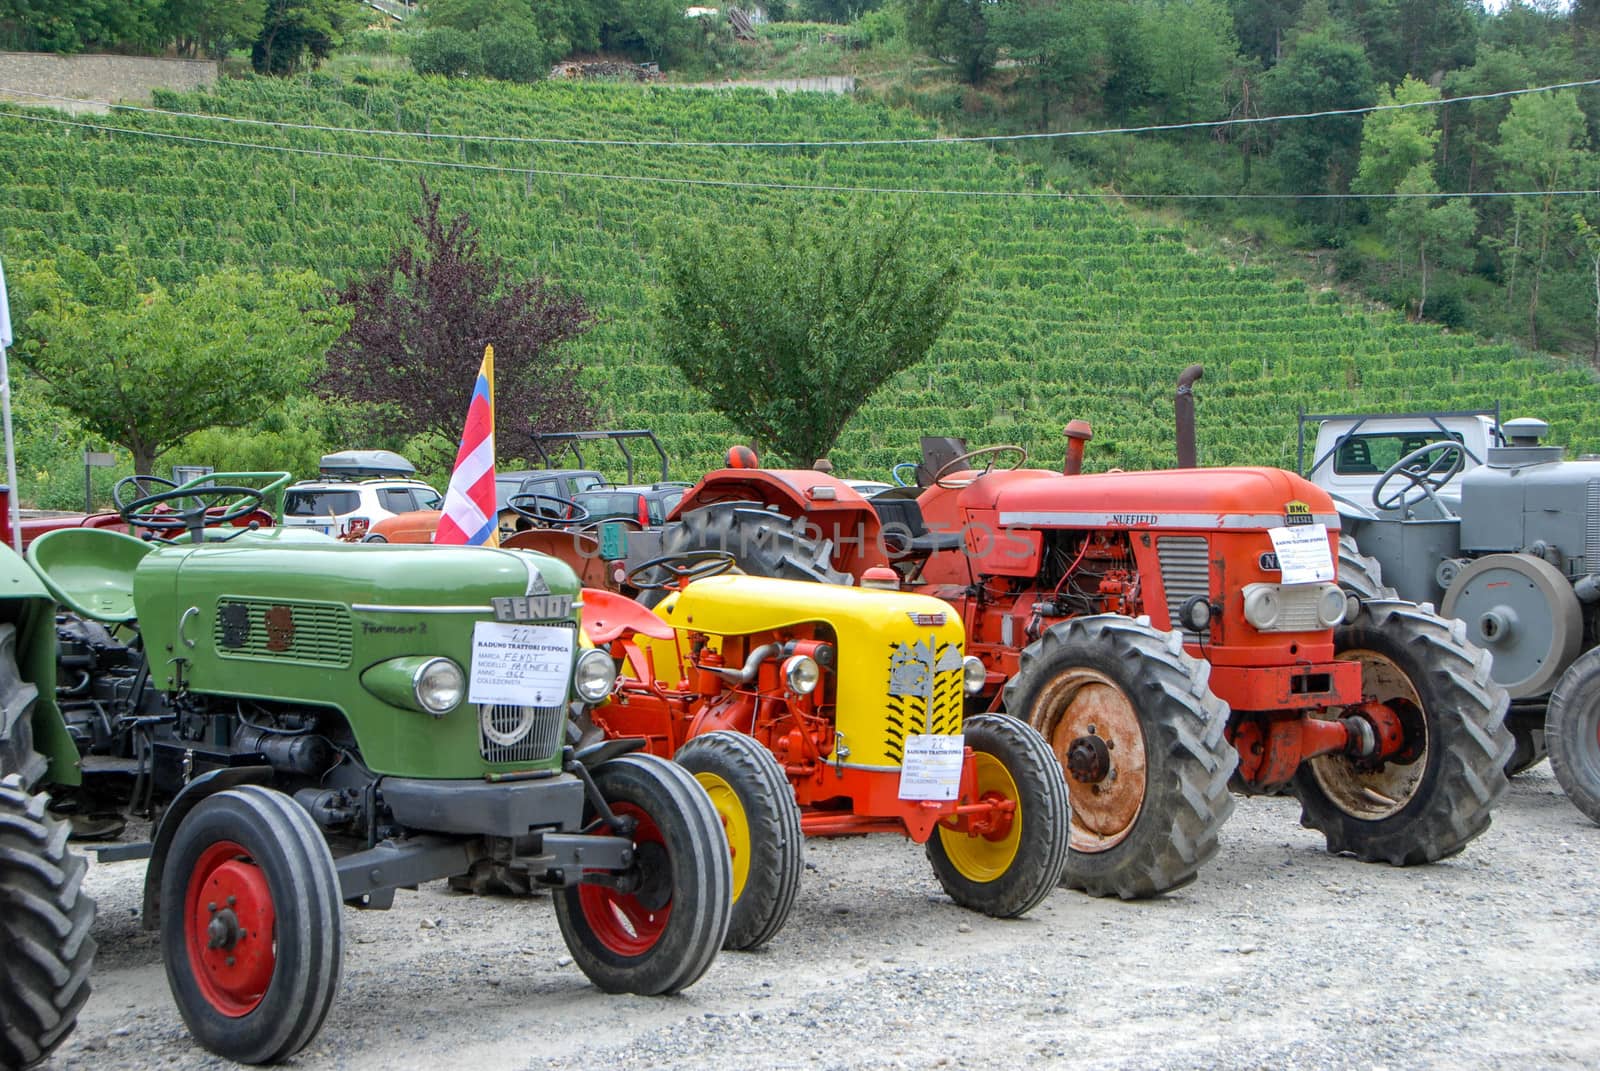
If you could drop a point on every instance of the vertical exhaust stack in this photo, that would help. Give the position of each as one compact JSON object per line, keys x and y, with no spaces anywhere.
{"x":1183,"y":406}
{"x":1077,"y":433}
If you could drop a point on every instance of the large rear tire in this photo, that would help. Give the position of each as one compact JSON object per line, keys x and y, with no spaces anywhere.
{"x":1431,"y":804}
{"x":761,"y":821}
{"x":45,"y":948}
{"x":1009,"y":870}
{"x":1131,"y":720}
{"x":762,"y":543}
{"x":1359,"y":574}
{"x":17,"y":700}
{"x":251,"y":925}
{"x":659,"y":934}
{"x":1572,"y":729}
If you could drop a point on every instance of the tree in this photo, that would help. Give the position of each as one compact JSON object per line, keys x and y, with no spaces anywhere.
{"x":292,"y":28}
{"x":1261,"y":25}
{"x":1324,"y":72}
{"x":1541,"y":149}
{"x":1393,"y":143}
{"x":1440,"y":231}
{"x":1191,"y":52}
{"x":210,"y":27}
{"x":1060,"y":47}
{"x":76,"y":25}
{"x":145,"y":368}
{"x":791,"y":328}
{"x":1415,"y":37}
{"x":956,"y":30}
{"x":418,"y":328}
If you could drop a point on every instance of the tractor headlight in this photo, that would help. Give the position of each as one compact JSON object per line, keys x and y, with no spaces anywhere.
{"x":1195,"y":613}
{"x":594,"y":676}
{"x":801,"y":674}
{"x":973,"y":674}
{"x":438,"y":685}
{"x":1262,"y":605}
{"x":1331,"y":606}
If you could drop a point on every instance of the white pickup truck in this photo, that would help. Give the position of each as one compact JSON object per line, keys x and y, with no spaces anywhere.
{"x":1352,"y":452}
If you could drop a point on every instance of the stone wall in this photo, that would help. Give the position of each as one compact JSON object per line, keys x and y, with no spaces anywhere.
{"x":118,"y":79}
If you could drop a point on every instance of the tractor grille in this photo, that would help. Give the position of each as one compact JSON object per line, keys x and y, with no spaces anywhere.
{"x":1299,"y":609}
{"x":925,"y":694}
{"x":522,"y":734}
{"x":283,"y":630}
{"x":1591,"y":531}
{"x":1185,"y":573}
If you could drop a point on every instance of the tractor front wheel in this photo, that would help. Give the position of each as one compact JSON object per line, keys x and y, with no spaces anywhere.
{"x":655,"y":927}
{"x":1131,"y":720}
{"x":761,"y":822}
{"x":1427,"y":802}
{"x":251,"y":925}
{"x":1572,"y":730}
{"x":1010,"y":864}
{"x":44,"y":928}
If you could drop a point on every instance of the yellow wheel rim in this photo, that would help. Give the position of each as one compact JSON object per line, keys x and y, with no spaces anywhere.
{"x":735,"y":825}
{"x":986,"y":858}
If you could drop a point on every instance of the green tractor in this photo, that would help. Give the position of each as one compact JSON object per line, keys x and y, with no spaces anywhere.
{"x":309,"y":723}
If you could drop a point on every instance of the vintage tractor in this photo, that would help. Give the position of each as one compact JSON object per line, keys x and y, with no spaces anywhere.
{"x":311,"y":722}
{"x":1124,"y":614}
{"x":1505,"y":536}
{"x":846,"y":701}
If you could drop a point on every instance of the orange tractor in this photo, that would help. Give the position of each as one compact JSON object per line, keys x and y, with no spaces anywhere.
{"x":805,"y":710}
{"x":1171,"y":634}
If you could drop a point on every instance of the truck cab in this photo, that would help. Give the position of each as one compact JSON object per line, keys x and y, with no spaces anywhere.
{"x":1351,"y":451}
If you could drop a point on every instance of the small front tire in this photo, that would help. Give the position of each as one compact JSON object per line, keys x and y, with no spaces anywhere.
{"x":251,"y":925}
{"x":1009,"y":870}
{"x":1572,"y":730}
{"x":659,"y":934}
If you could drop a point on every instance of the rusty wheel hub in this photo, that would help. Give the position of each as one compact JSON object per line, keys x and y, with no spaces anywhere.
{"x":1088,"y":759}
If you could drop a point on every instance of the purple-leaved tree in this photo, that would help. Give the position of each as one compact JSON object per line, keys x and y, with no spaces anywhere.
{"x":418,"y":330}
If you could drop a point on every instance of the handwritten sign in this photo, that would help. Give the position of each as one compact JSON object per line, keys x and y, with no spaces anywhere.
{"x":932,"y":767}
{"x":519,"y":665}
{"x":1303,"y":553}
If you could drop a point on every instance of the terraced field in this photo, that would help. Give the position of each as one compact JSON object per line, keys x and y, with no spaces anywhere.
{"x":1073,"y":308}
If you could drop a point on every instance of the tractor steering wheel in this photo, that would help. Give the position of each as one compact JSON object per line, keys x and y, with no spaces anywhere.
{"x":137,"y":487}
{"x":682,"y":568}
{"x":898,"y":479}
{"x":534,"y":508}
{"x":955,"y":463}
{"x":234,"y":502}
{"x":1423,"y":479}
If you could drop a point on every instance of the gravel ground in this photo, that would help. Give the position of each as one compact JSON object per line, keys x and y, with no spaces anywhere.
{"x":1280,"y":956}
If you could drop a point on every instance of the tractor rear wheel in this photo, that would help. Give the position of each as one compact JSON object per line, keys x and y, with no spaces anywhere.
{"x":1572,"y":729}
{"x":45,"y":919}
{"x":761,"y":542}
{"x":251,"y":925}
{"x":655,"y":927}
{"x":1010,"y":869}
{"x":1359,"y":574}
{"x":1131,"y":720}
{"x":1428,"y":803}
{"x":761,"y":821}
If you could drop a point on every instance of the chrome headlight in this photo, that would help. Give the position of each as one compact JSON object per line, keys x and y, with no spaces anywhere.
{"x":438,"y":685}
{"x":594,"y":676}
{"x":1262,"y":605}
{"x":1331,"y":606}
{"x":973,"y":674}
{"x":801,"y":674}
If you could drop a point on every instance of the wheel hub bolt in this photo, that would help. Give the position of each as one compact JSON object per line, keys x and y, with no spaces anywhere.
{"x":1088,"y":759}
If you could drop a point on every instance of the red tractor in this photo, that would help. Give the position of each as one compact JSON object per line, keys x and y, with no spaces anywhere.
{"x":1171,"y":634}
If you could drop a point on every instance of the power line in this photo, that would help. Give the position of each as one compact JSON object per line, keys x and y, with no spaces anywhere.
{"x":748,"y":184}
{"x":645,"y":144}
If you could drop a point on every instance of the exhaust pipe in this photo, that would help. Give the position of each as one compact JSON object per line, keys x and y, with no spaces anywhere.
{"x":1077,"y":433}
{"x":1183,"y":406}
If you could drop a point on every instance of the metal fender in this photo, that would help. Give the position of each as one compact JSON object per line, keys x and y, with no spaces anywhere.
{"x":28,"y":604}
{"x":188,"y":799}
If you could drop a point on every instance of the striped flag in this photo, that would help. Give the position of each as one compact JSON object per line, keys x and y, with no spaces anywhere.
{"x":469,"y":515}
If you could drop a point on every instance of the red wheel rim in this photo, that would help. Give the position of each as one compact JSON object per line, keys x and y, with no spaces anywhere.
{"x":230,"y":929}
{"x":630,"y":924}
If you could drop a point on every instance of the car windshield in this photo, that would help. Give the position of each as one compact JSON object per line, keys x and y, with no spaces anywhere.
{"x":319,"y":503}
{"x":603,"y":505}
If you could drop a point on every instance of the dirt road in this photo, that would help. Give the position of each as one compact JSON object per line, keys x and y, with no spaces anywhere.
{"x":1279,"y":957}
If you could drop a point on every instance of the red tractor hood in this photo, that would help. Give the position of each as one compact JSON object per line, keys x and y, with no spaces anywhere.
{"x":1179,"y":498}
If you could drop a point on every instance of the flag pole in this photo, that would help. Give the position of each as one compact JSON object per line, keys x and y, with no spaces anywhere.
{"x":5,"y":408}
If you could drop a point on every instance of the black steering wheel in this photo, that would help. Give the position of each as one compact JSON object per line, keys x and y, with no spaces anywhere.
{"x":681,"y":568}
{"x":956,"y":464}
{"x":1423,"y":479}
{"x":137,"y":487}
{"x":234,"y":502}
{"x":534,"y":507}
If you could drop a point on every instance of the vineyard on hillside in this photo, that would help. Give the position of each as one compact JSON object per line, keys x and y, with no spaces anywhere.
{"x":1072,"y":308}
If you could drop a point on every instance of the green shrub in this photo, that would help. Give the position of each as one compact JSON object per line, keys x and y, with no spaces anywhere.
{"x":515,"y":53}
{"x":446,"y":51}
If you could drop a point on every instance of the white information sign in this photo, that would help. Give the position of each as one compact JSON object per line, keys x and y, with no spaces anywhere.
{"x":519,"y":665}
{"x":932,"y":767}
{"x":1303,"y":553}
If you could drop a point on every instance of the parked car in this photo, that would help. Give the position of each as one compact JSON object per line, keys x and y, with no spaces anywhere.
{"x":356,"y":490}
{"x":648,"y":505}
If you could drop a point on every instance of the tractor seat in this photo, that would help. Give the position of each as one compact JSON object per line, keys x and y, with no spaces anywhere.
{"x":1355,"y":458}
{"x":90,"y":570}
{"x":904,"y":530}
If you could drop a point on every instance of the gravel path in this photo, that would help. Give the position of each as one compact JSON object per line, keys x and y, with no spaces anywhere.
{"x":1280,"y":956}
